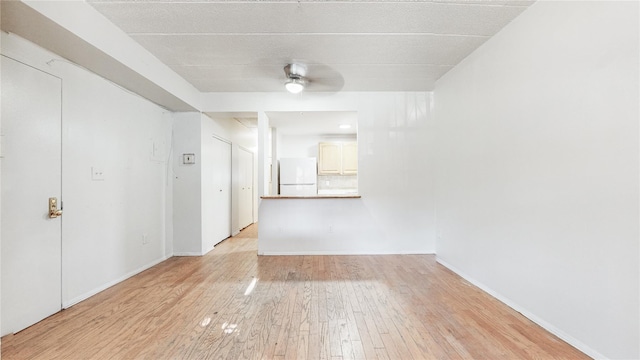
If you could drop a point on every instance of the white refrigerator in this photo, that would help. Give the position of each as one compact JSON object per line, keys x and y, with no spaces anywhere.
{"x":298,"y":176}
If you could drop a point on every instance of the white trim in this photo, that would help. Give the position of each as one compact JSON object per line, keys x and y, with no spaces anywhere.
{"x":77,"y":299}
{"x":221,"y":138}
{"x":246,"y":149}
{"x":187,"y":253}
{"x":206,"y":251}
{"x":323,"y":252}
{"x":544,"y":324}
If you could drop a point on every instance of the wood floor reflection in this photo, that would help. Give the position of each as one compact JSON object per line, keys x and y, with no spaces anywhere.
{"x":232,"y":304}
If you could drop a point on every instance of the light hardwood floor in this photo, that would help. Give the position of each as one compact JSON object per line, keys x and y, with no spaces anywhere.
{"x":316,"y":307}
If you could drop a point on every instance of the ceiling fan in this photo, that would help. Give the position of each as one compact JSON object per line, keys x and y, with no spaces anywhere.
{"x":311,"y":77}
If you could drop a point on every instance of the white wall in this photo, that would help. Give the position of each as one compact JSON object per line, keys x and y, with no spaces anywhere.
{"x":105,"y":221}
{"x":191,"y":132}
{"x":319,"y":227}
{"x":396,"y":168}
{"x":538,"y":171}
{"x":306,"y":145}
{"x":395,"y":159}
{"x":187,"y":192}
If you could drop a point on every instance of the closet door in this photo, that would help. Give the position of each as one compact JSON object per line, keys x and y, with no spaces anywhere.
{"x":246,"y":188}
{"x":221,"y":190}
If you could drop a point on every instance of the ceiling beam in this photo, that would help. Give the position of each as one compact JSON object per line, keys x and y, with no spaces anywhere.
{"x":77,"y":32}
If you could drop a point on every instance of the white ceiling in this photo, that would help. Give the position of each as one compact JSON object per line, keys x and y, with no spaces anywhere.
{"x":313,"y":122}
{"x":298,"y":123}
{"x":367,"y":45}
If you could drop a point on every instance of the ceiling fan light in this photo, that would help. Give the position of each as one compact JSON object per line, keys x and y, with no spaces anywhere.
{"x":294,"y":86}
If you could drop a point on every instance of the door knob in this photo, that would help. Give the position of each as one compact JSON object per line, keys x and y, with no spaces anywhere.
{"x":53,"y":208}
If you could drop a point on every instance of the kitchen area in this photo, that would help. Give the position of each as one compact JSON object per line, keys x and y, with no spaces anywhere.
{"x":313,"y":204}
{"x":333,"y":172}
{"x":314,"y":154}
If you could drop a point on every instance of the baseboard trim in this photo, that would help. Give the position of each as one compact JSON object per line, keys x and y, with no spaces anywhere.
{"x":85,"y":296}
{"x":544,"y":324}
{"x":187,"y":254}
{"x":206,"y":251}
{"x":313,"y":253}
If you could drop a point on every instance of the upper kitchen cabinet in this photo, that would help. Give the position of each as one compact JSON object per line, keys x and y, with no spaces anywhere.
{"x":338,"y":158}
{"x":350,"y":158}
{"x":329,"y":158}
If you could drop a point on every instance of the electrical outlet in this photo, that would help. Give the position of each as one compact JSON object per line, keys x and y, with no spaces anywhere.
{"x":145,"y":239}
{"x":97,"y":174}
{"x":330,"y":229}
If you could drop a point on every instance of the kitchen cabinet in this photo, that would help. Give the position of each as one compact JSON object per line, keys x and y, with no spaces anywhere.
{"x":329,"y":159}
{"x":337,"y":158}
{"x":350,"y":158}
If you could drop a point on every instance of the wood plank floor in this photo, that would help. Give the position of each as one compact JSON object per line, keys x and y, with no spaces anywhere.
{"x":300,"y":307}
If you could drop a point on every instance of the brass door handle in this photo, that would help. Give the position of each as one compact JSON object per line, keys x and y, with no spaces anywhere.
{"x":53,"y":208}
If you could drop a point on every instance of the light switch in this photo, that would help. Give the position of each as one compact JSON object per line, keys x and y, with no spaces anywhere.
{"x":155,"y":150}
{"x":188,"y":158}
{"x":97,"y":174}
{"x":157,"y":153}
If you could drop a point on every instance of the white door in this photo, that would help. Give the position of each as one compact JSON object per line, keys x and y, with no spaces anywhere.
{"x":31,"y":174}
{"x":221,"y":190}
{"x":246,"y":188}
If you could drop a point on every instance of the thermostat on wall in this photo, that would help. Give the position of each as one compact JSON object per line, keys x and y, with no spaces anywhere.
{"x":188,"y":158}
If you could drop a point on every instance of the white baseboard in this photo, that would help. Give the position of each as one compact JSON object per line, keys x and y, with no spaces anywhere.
{"x":206,"y":251}
{"x":187,"y":254}
{"x":77,"y":299}
{"x":313,"y":253}
{"x":544,"y":324}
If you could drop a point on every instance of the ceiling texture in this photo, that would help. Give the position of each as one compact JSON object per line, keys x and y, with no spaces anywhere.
{"x":310,"y":123}
{"x":243,"y":46}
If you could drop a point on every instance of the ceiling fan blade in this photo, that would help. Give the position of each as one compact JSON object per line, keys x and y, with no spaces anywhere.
{"x":325,"y":84}
{"x":323,"y":78}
